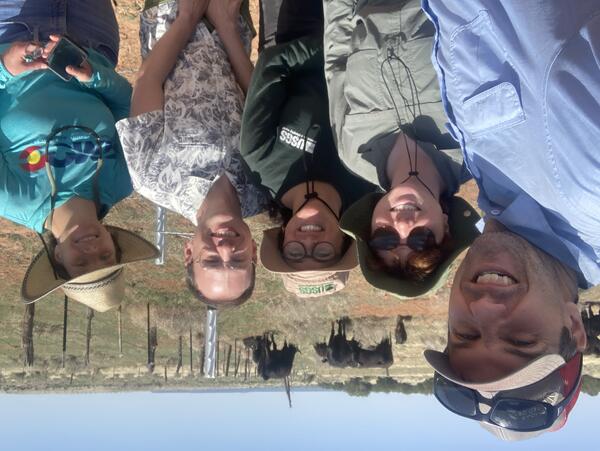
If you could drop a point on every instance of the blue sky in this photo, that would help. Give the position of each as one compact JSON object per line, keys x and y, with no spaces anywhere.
{"x":258,"y":421}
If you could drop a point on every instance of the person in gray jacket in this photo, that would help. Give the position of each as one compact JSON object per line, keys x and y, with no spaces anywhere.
{"x":387,"y":117}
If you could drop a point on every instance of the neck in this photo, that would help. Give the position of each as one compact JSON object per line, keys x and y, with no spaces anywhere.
{"x":295,"y":197}
{"x":222,"y":199}
{"x":402,"y":161}
{"x":73,"y":213}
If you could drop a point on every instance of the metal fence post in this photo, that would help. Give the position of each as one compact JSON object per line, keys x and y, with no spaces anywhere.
{"x":210,"y":343}
{"x":161,"y":225}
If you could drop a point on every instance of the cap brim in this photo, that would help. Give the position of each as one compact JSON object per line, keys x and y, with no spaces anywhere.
{"x":39,"y":280}
{"x":534,"y":372}
{"x":273,"y":261}
{"x":356,"y":222}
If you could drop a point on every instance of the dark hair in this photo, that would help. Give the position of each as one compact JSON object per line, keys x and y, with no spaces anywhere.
{"x":420,"y":265}
{"x":190,"y":281}
{"x":567,"y":345}
{"x":60,"y":269}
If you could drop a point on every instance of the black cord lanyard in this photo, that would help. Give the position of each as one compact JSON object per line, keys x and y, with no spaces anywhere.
{"x":409,"y":106}
{"x":310,"y":181}
{"x":52,"y":180}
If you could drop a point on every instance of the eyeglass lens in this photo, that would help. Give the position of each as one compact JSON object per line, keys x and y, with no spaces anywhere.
{"x":322,"y":251}
{"x":456,"y":398}
{"x":520,"y":414}
{"x":386,"y":239}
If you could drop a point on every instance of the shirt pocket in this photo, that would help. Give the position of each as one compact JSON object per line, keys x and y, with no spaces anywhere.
{"x":494,"y":109}
{"x":484,"y":82}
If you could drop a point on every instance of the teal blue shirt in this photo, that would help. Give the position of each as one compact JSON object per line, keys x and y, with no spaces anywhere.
{"x":33,"y":104}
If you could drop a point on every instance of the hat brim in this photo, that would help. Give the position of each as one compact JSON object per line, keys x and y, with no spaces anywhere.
{"x":356,"y":222}
{"x":40,"y":281}
{"x":533,"y":372}
{"x":272,"y":259}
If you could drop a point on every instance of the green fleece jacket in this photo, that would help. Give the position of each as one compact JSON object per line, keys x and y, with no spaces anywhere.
{"x":286,"y":137}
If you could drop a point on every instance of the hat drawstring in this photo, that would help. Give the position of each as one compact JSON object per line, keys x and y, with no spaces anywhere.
{"x":409,"y":106}
{"x":50,"y":175}
{"x":52,"y":181}
{"x":310,"y":182}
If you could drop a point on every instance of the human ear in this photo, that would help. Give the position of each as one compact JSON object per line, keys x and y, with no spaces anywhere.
{"x":188,"y":253}
{"x":58,"y":255}
{"x":576,"y":326}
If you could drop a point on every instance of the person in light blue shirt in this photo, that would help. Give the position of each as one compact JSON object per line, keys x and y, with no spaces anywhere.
{"x":520,"y":81}
{"x":70,"y":125}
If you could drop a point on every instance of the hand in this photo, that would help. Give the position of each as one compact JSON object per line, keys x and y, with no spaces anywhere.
{"x":82,"y":73}
{"x":192,"y":10}
{"x":14,"y":58}
{"x":223,"y":13}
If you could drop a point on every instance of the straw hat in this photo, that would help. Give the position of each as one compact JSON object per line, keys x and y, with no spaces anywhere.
{"x":309,"y":283}
{"x":100,"y":290}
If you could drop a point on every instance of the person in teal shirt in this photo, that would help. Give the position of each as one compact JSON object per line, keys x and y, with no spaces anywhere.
{"x":69,"y":125}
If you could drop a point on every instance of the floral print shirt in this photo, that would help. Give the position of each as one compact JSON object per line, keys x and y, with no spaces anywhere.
{"x":175,"y":155}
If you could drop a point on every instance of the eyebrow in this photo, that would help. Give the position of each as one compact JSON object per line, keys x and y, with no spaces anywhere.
{"x":526,"y":355}
{"x":514,"y":351}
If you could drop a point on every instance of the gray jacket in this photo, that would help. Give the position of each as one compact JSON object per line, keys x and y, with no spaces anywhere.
{"x":381,"y":81}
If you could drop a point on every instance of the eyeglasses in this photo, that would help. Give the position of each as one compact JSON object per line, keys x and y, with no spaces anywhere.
{"x":322,"y":251}
{"x":387,"y":239}
{"x":523,"y":415}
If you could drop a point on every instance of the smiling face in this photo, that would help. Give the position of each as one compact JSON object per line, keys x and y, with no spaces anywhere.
{"x":508,"y":305}
{"x":401,"y":211}
{"x":87,"y":249}
{"x":223,"y":254}
{"x":312,"y":238}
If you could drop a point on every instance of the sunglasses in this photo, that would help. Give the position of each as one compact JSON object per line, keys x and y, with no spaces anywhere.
{"x":523,"y":415}
{"x":386,"y":239}
{"x":322,"y":251}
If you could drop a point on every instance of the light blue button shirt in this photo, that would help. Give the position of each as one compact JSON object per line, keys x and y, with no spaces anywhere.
{"x":520,"y":81}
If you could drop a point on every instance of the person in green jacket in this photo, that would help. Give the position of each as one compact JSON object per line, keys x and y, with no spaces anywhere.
{"x":287,"y":142}
{"x":61,"y":164}
{"x":387,"y":117}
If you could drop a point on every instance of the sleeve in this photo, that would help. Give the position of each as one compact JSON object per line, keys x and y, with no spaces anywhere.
{"x":267,"y":96}
{"x":339,"y":24}
{"x":114,"y":89}
{"x":5,"y":75}
{"x":141,"y":140}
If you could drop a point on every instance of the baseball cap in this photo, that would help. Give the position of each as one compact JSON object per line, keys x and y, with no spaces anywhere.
{"x":544,"y":379}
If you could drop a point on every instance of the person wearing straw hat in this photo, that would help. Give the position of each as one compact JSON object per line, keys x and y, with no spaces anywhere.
{"x":287,"y":142}
{"x":61,"y":165}
{"x":182,"y":140}
{"x":527,"y":120}
{"x":388,"y":122}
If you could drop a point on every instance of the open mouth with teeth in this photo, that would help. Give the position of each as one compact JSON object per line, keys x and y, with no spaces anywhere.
{"x":405,"y":207}
{"x":494,"y":278}
{"x":310,"y":228}
{"x":227,"y":233}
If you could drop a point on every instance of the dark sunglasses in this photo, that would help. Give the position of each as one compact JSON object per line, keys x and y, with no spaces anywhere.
{"x":386,"y":239}
{"x":523,"y":415}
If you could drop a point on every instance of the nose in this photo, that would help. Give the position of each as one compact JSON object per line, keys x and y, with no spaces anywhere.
{"x":487,"y":312}
{"x":225,"y":249}
{"x":404,"y":226}
{"x":89,"y":247}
